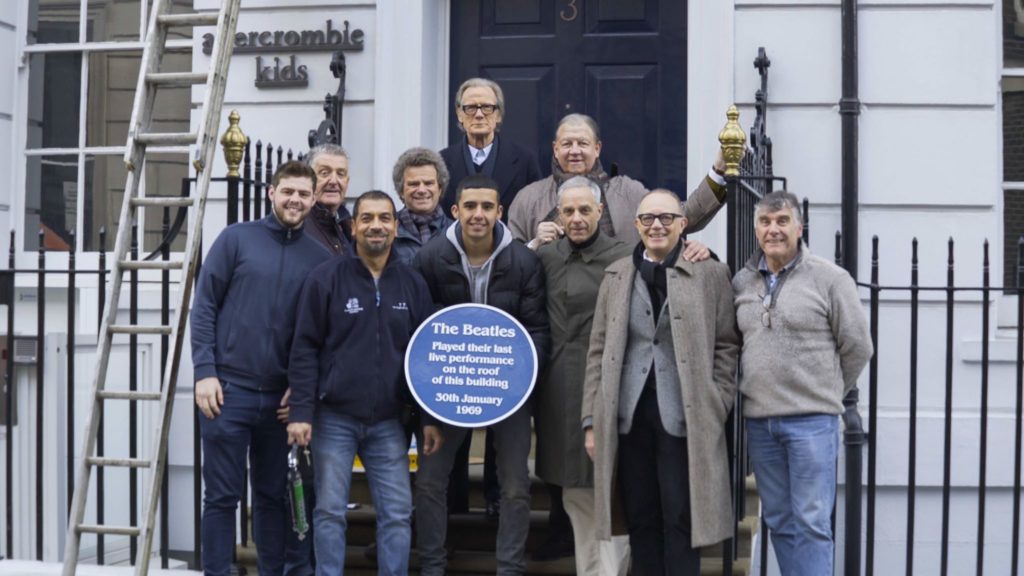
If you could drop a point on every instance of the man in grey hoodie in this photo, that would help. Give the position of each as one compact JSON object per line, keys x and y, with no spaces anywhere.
{"x":477,"y":261}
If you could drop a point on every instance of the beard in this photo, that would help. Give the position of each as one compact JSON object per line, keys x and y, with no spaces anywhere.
{"x":372,"y":249}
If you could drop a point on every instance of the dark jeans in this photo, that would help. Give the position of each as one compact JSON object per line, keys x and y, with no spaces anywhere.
{"x":247,"y":426}
{"x":655,"y":489}
{"x":458,"y":482}
{"x":512,"y":437}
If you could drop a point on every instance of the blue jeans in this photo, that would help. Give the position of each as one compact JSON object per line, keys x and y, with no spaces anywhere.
{"x":384,"y":450}
{"x":247,"y":425}
{"x":794,"y":460}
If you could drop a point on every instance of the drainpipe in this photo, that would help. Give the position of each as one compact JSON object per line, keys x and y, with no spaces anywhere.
{"x":849,"y":110}
{"x":854,"y":437}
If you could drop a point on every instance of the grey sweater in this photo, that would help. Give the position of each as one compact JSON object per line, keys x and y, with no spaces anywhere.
{"x":816,"y":346}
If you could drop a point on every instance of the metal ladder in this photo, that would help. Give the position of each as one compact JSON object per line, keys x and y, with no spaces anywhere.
{"x":139,"y":137}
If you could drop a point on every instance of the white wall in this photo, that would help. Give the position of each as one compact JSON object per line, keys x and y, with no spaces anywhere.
{"x":9,"y":43}
{"x":930,"y":135}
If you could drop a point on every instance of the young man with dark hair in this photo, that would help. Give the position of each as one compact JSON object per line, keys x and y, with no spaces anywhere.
{"x":242,"y":321}
{"x":477,"y":261}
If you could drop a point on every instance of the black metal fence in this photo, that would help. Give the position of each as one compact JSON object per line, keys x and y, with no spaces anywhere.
{"x":860,"y":513}
{"x":245,"y":200}
{"x":888,"y":352}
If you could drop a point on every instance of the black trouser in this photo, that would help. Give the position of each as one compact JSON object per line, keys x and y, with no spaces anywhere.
{"x":458,"y":482}
{"x":654,"y":483}
{"x":559,"y":526}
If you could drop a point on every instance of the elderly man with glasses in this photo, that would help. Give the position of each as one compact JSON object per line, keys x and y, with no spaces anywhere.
{"x":660,"y":381}
{"x":480,"y":109}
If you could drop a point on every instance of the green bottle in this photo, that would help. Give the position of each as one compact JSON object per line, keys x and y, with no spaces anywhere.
{"x":297,"y":495}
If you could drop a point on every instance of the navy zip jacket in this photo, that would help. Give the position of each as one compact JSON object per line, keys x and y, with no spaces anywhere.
{"x":243,"y":314}
{"x":350,"y":340}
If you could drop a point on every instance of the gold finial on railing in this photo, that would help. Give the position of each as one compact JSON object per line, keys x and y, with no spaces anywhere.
{"x":233,"y":142}
{"x":733,"y":140}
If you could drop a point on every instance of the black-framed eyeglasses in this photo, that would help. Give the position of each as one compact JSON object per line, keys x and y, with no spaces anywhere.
{"x":471,"y":109}
{"x":666,"y":218}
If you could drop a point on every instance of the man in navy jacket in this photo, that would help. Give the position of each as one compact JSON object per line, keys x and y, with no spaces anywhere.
{"x":242,"y":321}
{"x":355,"y":319}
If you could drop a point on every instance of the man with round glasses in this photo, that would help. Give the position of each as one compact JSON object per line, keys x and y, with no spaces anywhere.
{"x":660,"y":381}
{"x":480,"y":109}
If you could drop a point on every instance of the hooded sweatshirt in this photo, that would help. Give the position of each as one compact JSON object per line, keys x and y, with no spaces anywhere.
{"x":478,"y":276}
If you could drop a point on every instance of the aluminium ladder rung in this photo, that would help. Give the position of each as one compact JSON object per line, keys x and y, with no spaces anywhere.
{"x":193,"y":19}
{"x":166,"y":138}
{"x":127,"y":395}
{"x":128,"y":329}
{"x":164,"y":202}
{"x":177,"y":78}
{"x":151,"y":264}
{"x":120,"y":462}
{"x":108,"y":529}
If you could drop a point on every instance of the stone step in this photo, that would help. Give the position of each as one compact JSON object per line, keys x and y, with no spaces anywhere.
{"x":474,"y":532}
{"x":469,"y":563}
{"x":539,"y":499}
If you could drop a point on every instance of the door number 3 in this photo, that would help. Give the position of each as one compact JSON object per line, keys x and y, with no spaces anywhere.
{"x":570,"y":12}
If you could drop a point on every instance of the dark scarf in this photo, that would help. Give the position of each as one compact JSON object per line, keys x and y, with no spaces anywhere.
{"x":598,"y":175}
{"x":421,"y":223}
{"x":577,"y":248}
{"x":653,"y":274}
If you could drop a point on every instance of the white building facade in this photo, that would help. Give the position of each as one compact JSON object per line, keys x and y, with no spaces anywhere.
{"x":939,"y":82}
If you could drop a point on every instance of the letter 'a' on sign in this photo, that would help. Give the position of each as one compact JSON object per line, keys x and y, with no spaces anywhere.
{"x":471,"y":365}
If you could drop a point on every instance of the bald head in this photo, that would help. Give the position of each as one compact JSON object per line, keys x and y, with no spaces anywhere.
{"x":660,"y":222}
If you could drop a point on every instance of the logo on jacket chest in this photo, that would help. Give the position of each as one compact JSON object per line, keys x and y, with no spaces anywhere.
{"x":352,"y":306}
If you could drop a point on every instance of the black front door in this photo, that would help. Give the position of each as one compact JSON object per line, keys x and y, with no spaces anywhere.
{"x":621,"y":61}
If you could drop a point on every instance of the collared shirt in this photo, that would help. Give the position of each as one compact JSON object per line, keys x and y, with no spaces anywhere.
{"x":479,"y":155}
{"x":771,"y":281}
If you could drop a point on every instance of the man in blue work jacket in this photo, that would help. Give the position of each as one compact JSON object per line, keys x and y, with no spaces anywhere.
{"x":355,"y":319}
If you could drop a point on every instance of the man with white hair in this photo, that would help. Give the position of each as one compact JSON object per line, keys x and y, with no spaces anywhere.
{"x":574,"y":266}
{"x":331,"y":221}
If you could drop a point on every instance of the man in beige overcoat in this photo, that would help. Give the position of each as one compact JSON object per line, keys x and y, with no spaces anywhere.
{"x":660,"y":381}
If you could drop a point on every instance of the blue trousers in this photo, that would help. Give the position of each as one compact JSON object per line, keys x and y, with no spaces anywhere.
{"x":794,"y":460}
{"x":384,"y":449}
{"x":246,"y":427}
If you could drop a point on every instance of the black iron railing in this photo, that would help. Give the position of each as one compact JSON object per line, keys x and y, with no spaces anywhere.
{"x":246,"y":200}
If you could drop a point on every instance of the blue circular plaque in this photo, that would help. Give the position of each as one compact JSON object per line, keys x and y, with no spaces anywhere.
{"x":471,"y":365}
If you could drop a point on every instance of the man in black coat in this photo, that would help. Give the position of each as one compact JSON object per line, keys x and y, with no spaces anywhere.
{"x":330,"y":222}
{"x":480,"y":107}
{"x":477,"y":261}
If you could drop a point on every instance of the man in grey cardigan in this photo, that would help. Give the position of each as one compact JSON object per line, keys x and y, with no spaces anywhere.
{"x":805,"y":341}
